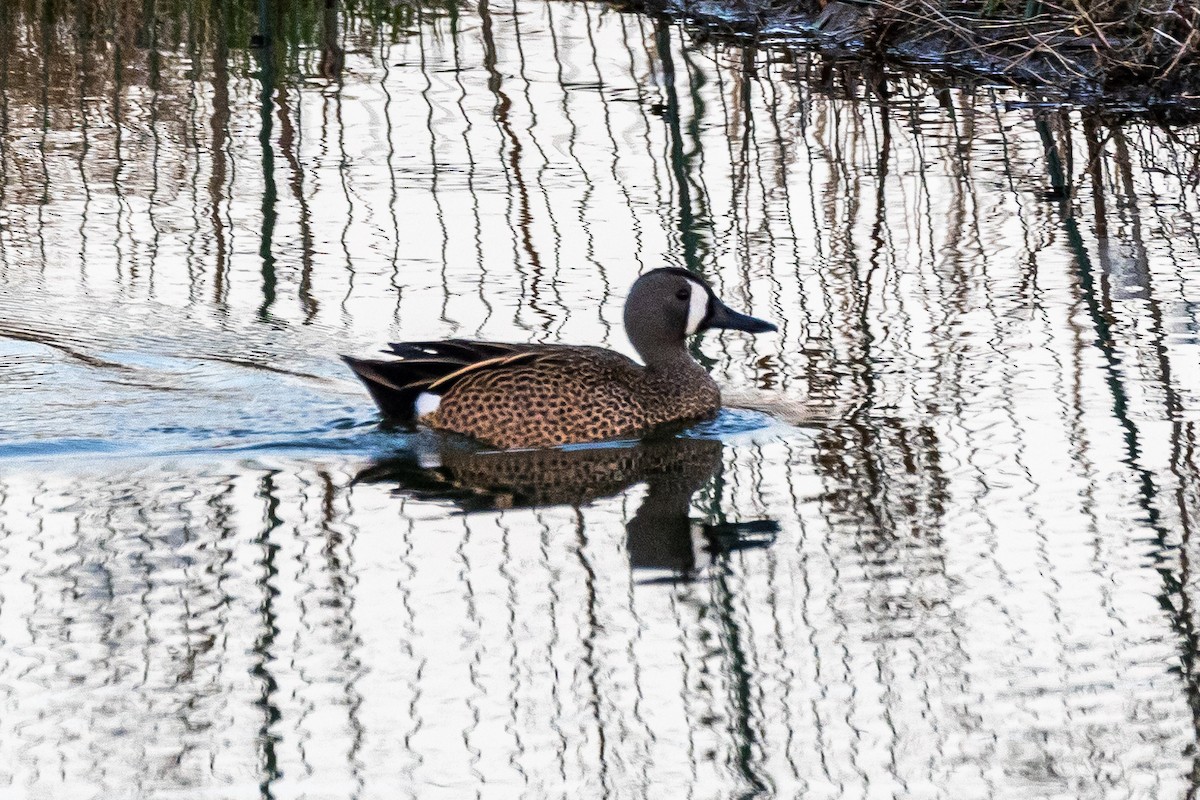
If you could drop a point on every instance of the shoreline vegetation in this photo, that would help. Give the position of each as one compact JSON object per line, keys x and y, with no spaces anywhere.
{"x":1135,"y":56}
{"x":1125,"y":55}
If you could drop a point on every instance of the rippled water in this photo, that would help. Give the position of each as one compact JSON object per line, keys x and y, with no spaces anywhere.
{"x":942,"y":550}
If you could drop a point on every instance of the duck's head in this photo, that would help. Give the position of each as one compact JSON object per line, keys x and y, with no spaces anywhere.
{"x":667,"y":305}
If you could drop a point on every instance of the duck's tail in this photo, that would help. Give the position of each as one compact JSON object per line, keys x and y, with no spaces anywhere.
{"x":394,"y":386}
{"x":411,"y":384}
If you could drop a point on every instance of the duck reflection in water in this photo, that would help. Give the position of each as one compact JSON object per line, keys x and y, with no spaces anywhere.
{"x":661,"y":535}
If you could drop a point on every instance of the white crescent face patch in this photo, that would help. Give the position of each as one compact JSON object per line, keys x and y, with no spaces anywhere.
{"x":697,"y":307}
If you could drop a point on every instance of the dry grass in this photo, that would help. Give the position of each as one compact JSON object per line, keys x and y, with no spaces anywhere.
{"x":1146,"y":52}
{"x":1107,"y":40}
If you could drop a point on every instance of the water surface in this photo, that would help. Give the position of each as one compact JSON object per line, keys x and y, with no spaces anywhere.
{"x":946,"y":555}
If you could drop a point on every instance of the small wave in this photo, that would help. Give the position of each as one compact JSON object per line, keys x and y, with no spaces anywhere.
{"x":56,"y":448}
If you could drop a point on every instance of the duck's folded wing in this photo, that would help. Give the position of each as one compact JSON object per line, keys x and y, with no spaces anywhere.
{"x":408,"y":386}
{"x":411,"y":384}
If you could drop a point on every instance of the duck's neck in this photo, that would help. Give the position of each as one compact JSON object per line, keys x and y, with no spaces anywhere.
{"x":679,"y":387}
{"x":670,"y":360}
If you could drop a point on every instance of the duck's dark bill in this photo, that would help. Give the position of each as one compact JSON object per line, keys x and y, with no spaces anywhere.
{"x":725,"y":317}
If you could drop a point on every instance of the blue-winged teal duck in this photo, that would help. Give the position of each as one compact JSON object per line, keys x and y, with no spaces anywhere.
{"x":537,"y":395}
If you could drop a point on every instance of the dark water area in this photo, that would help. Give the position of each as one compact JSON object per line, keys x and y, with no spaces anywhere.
{"x":938,"y":546}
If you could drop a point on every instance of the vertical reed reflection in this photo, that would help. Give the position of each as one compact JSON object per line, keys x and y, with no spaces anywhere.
{"x":1175,"y":597}
{"x":407,"y":650}
{"x":525,"y":213}
{"x":511,"y":151}
{"x":332,"y":33}
{"x":289,"y":145}
{"x":475,"y":192}
{"x":606,"y":101}
{"x":1187,"y":500}
{"x":435,"y":167}
{"x":220,"y":122}
{"x":340,"y":538}
{"x":46,"y":27}
{"x":84,"y":43}
{"x":123,"y":258}
{"x":148,"y":37}
{"x":269,"y":731}
{"x":746,"y":718}
{"x":1102,"y":319}
{"x":689,"y":235}
{"x":385,"y":74}
{"x":268,"y":27}
{"x":592,"y":665}
{"x":473,"y":738}
{"x":561,"y":55}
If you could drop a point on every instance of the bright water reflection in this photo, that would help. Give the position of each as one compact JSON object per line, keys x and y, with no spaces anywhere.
{"x":220,"y":577}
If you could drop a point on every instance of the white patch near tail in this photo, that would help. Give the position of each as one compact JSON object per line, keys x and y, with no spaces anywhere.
{"x":427,"y":403}
{"x":697,"y":307}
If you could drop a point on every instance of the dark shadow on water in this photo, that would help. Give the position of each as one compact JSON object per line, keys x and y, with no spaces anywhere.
{"x":661,"y":534}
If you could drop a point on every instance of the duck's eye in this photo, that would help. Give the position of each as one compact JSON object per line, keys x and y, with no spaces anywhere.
{"x":684,"y":294}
